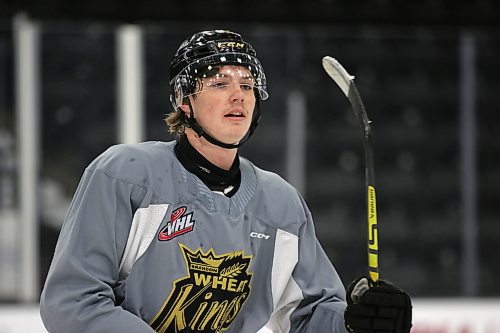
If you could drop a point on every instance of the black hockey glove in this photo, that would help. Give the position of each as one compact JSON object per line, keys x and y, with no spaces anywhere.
{"x":381,"y":308}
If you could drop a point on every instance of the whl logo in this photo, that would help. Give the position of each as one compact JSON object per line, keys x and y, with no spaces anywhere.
{"x":180,"y":223}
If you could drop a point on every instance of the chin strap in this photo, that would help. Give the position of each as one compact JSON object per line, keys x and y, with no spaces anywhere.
{"x":193,"y":124}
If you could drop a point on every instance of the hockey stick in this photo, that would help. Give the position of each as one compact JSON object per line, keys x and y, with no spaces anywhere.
{"x":346,"y":84}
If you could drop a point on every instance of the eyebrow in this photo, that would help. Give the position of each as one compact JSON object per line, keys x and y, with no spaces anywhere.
{"x":224,"y":75}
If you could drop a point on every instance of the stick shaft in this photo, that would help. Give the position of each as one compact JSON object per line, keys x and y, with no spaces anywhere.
{"x":364,"y":123}
{"x":346,"y":83}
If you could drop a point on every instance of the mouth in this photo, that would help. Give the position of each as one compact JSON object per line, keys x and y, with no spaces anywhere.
{"x":235,"y":114}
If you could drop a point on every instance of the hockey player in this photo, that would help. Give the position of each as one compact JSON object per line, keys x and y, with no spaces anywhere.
{"x":188,"y":236}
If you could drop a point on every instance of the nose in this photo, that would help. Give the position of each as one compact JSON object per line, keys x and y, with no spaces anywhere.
{"x":238,"y":93}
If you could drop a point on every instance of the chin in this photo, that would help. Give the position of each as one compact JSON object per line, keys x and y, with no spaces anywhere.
{"x":232,"y":141}
{"x":233,"y":138}
{"x":237,"y":139}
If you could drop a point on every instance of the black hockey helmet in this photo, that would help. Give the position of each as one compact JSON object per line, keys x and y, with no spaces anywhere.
{"x":205,"y":50}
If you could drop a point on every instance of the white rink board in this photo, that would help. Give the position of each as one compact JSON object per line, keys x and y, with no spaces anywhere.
{"x":451,"y":315}
{"x":456,"y":315}
{"x":20,"y":319}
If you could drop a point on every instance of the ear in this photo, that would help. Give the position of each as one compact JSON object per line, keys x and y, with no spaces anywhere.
{"x":185,"y":108}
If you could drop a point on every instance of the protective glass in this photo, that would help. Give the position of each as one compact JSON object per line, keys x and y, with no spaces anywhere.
{"x":224,"y":78}
{"x":206,"y":74}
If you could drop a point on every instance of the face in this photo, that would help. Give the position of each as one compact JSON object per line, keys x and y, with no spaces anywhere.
{"x":224,"y":103}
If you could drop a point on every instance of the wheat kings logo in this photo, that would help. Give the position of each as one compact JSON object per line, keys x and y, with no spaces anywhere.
{"x":209,"y":297}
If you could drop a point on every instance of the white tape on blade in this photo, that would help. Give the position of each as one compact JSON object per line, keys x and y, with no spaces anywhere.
{"x":338,"y":73}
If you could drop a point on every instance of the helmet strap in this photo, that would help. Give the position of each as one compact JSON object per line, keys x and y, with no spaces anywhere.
{"x":193,"y":124}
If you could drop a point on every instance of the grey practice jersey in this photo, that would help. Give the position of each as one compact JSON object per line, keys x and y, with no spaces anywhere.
{"x":146,"y":247}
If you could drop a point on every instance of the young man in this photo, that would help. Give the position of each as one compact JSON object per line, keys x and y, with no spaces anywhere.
{"x":188,"y":236}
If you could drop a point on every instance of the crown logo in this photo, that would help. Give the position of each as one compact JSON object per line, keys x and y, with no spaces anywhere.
{"x":204,"y":262}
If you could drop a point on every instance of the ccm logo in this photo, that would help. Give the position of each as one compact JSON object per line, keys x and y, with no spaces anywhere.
{"x":254,"y":234}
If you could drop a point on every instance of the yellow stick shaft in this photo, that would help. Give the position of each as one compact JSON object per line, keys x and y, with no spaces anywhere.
{"x":372,"y":235}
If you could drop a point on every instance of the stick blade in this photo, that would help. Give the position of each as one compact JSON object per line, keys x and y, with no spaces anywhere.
{"x":338,"y":73}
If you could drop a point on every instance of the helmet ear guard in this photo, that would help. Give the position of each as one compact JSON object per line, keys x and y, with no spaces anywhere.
{"x":181,"y":89}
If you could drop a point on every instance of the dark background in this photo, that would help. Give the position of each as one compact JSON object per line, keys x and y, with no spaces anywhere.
{"x":383,"y":12}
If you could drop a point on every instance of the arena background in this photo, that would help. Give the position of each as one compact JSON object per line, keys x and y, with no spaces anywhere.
{"x":78,"y":77}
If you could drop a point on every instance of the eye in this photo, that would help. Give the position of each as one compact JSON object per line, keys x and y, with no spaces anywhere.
{"x":219,"y":85}
{"x":246,"y":86}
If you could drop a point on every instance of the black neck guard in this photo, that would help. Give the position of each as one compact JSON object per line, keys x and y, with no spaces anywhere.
{"x":215,"y":178}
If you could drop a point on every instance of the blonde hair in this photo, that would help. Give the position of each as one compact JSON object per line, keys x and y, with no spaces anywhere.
{"x":176,"y":122}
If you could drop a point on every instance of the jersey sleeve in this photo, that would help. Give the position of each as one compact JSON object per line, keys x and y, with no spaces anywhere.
{"x":78,"y":293}
{"x":323,"y":294}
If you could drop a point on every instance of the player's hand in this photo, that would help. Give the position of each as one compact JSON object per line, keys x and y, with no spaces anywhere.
{"x":378,"y":308}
